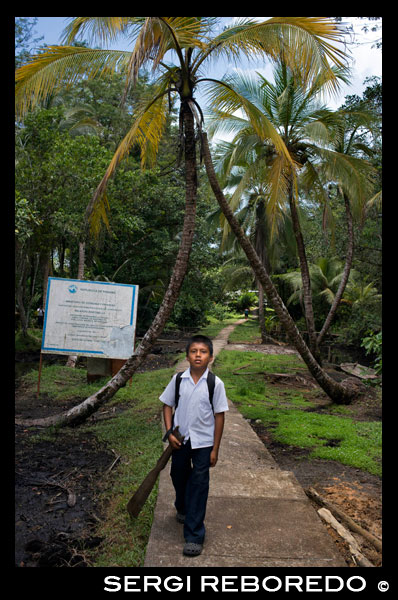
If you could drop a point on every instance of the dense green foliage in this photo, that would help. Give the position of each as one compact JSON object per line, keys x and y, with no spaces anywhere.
{"x":63,"y":148}
{"x":57,"y":171}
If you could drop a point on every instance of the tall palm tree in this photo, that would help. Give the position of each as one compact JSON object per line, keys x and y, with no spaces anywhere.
{"x":307,"y":129}
{"x":252,"y":216}
{"x":343,"y":164}
{"x":309,"y":41}
{"x":339,"y":393}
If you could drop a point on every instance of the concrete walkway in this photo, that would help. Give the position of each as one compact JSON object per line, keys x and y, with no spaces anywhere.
{"x":257,"y":515}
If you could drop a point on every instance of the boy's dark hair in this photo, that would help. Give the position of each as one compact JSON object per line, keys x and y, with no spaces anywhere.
{"x":200,"y":339}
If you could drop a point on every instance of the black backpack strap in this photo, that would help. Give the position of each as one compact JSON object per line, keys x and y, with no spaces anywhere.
{"x":177,"y":390}
{"x":211,"y":383}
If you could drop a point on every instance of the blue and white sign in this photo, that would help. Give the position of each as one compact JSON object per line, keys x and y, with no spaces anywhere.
{"x":90,"y":318}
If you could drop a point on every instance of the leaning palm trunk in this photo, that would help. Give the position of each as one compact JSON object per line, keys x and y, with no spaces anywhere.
{"x":346,"y":272}
{"x":337,"y":392}
{"x":260,"y":247}
{"x":261,"y":313}
{"x":80,"y":413}
{"x":305,"y":276}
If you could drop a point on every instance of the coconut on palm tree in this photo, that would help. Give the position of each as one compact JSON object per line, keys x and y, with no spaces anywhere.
{"x":178,"y":49}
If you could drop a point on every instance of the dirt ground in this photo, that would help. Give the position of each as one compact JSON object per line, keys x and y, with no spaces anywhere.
{"x":57,"y":484}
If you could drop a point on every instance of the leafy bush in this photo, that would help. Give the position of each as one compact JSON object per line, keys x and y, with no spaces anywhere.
{"x":219,"y":311}
{"x":373,"y":345}
{"x":189,"y":312}
{"x":245,"y":300}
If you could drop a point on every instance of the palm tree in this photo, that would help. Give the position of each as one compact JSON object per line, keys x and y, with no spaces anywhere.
{"x":290,"y":105}
{"x":326,"y":276}
{"x":339,"y":393}
{"x":307,"y":129}
{"x":307,"y":40}
{"x":254,"y":220}
{"x":343,"y":164}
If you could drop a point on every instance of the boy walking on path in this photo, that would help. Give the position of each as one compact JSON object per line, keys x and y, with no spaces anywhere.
{"x":201,"y":423}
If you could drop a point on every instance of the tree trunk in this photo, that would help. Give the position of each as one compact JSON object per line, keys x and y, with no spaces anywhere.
{"x":346,"y":273}
{"x":45,"y":260}
{"x":20,"y":292}
{"x":261,"y":313}
{"x":73,"y":358}
{"x":339,"y":393}
{"x":82,"y":259}
{"x":79,"y":413}
{"x":305,"y":277}
{"x":261,"y":249}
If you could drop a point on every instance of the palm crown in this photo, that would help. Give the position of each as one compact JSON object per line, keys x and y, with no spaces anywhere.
{"x":191,"y":42}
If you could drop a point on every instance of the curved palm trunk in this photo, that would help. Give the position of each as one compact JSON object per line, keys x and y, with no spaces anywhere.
{"x":261,"y":249}
{"x":346,"y":272}
{"x":337,"y":392}
{"x":79,"y":413}
{"x":261,"y":313}
{"x":305,"y":276}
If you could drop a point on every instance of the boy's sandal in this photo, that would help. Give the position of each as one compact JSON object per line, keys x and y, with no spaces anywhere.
{"x":192,"y":549}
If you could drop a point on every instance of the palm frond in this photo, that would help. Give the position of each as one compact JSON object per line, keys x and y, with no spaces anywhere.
{"x":98,"y":30}
{"x":376,"y":200}
{"x":146,"y":132}
{"x":158,"y":35}
{"x":354,"y":175}
{"x":306,"y":42}
{"x":223,"y":97}
{"x":60,"y":67}
{"x":279,"y":186}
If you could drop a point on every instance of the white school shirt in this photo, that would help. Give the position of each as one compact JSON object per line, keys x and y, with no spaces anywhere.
{"x":194,"y":414}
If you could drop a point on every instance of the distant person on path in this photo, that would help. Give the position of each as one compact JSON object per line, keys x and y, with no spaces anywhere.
{"x":201,"y":423}
{"x":40,"y":316}
{"x":246,"y":313}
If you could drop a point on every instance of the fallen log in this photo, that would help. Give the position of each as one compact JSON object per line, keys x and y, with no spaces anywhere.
{"x":353,"y":545}
{"x":340,"y":514}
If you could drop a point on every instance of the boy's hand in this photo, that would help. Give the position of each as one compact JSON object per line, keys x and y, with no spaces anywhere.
{"x":213,"y":458}
{"x":174,"y":443}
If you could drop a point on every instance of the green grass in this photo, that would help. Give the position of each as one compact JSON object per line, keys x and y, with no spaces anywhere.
{"x":328,"y":436}
{"x":136,"y":436}
{"x":29,"y":343}
{"x":214,"y":326}
{"x":246,"y":332}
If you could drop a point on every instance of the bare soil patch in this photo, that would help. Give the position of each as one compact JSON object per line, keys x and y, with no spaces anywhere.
{"x":357,"y":492}
{"x":58,"y":482}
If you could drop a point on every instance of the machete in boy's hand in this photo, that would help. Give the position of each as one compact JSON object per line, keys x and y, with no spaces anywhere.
{"x":138,"y":500}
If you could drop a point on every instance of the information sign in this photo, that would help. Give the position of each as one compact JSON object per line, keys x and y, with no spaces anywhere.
{"x":90,"y":318}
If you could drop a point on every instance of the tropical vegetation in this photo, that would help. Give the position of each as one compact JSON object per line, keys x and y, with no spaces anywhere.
{"x":108,"y":161}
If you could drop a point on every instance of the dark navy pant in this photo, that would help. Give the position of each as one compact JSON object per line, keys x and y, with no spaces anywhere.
{"x":190,"y":476}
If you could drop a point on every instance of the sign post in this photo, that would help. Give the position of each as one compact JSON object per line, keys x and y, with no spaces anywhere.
{"x":90,"y":318}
